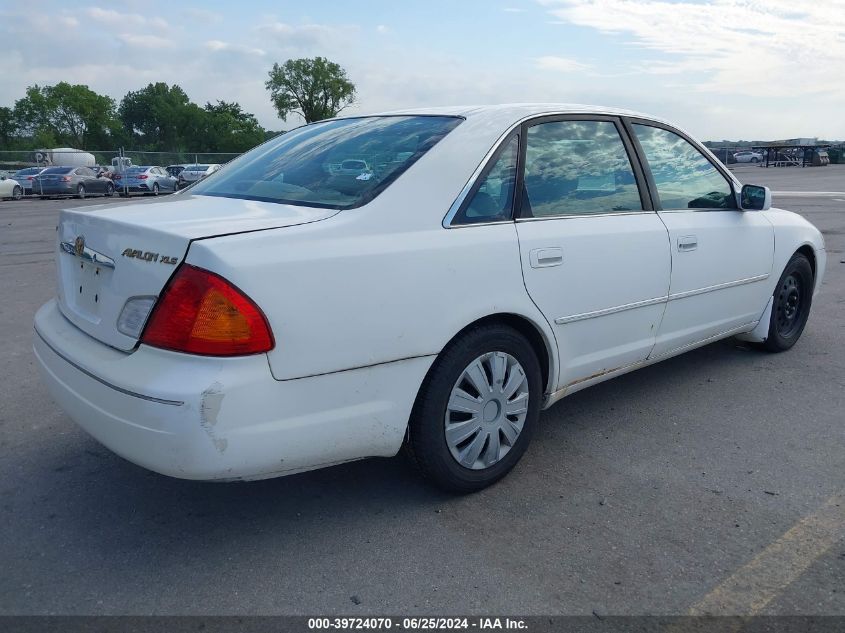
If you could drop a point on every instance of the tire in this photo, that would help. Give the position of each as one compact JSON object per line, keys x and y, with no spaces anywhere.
{"x":80,"y":192}
{"x":427,"y":442}
{"x":17,"y":193}
{"x":793,"y":297}
{"x":109,"y":190}
{"x":155,"y":189}
{"x":755,"y":160}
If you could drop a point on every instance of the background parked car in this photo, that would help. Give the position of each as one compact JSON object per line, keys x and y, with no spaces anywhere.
{"x":10,"y":188}
{"x":748,"y":156}
{"x":193,"y":173}
{"x":145,"y":180}
{"x":175,"y":170}
{"x":25,"y":176}
{"x":71,"y":181}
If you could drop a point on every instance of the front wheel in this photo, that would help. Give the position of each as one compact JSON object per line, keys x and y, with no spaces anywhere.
{"x":792,"y":299}
{"x":17,"y":193}
{"x":80,"y":192}
{"x":477,"y":409}
{"x":755,"y":160}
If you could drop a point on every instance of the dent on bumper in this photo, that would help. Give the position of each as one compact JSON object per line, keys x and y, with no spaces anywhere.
{"x":208,"y":418}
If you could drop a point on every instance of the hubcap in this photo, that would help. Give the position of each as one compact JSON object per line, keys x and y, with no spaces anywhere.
{"x":789,"y":305}
{"x":486,"y":410}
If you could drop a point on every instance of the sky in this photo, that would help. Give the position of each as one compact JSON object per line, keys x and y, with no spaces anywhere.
{"x":722,"y":69}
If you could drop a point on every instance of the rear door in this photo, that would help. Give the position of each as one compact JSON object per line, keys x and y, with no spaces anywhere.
{"x":595,"y":256}
{"x":721,"y":255}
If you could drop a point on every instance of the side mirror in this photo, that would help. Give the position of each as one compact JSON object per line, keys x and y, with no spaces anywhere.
{"x":755,"y":197}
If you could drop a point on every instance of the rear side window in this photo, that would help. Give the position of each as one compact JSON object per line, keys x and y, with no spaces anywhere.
{"x":684,"y":178}
{"x":493,"y":200}
{"x":338,"y":164}
{"x":577,"y":168}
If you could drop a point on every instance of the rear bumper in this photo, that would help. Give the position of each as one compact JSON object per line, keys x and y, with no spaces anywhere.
{"x":209,"y":418}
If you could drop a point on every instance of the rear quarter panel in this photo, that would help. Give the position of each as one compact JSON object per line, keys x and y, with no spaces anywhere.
{"x":385,"y":281}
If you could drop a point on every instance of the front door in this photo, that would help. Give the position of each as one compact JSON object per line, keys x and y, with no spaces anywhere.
{"x":722,"y":256}
{"x":595,"y":258}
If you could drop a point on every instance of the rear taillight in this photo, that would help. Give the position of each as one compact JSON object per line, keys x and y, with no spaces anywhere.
{"x":117,"y":176}
{"x":199,"y":312}
{"x":30,"y":177}
{"x":65,"y":178}
{"x":142,"y":177}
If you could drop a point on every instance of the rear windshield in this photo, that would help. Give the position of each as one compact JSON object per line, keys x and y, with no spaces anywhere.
{"x":58,"y":170}
{"x":136,"y":170}
{"x":196,"y":168}
{"x":338,"y":164}
{"x":28,"y":171}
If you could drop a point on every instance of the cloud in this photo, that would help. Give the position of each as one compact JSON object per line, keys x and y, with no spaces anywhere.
{"x":140,"y":40}
{"x":745,"y":47}
{"x":118,"y":18}
{"x":381,"y":28}
{"x":218,"y":46}
{"x":201,"y":15}
{"x":306,"y":37}
{"x":559,"y":64}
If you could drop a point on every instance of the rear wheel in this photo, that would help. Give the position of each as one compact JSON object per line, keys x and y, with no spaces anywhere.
{"x":80,"y":192}
{"x":155,"y":189}
{"x":792,"y":299}
{"x":109,"y":190}
{"x":754,"y":159}
{"x":477,"y":409}
{"x":17,"y":193}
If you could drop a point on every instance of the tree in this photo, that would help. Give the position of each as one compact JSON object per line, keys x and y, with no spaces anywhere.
{"x":159,"y":116}
{"x":72,"y":114}
{"x":230,"y":129}
{"x":315,"y":89}
{"x":8,"y":127}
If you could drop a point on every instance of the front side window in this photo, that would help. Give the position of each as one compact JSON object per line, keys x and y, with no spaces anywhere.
{"x":339,"y":164}
{"x":577,"y":168}
{"x":493,"y":200}
{"x":684,"y":178}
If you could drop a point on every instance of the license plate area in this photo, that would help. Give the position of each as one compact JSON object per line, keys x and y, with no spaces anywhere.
{"x":87,"y":289}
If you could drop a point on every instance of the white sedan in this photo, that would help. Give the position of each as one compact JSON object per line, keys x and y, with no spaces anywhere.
{"x":476,"y":266}
{"x":10,"y":188}
{"x":748,"y":156}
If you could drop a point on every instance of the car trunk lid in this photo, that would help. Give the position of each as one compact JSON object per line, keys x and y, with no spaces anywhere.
{"x":108,"y":255}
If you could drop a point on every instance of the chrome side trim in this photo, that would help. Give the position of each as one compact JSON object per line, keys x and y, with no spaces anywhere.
{"x":88,"y":255}
{"x":727,"y":284}
{"x":648,"y":302}
{"x":571,"y":216}
{"x":175,"y":403}
{"x":598,"y":313}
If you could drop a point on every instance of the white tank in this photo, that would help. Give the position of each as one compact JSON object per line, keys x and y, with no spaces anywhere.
{"x":65,"y":156}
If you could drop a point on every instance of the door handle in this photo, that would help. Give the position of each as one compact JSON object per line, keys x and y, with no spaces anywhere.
{"x":687,"y":243}
{"x":545,"y":257}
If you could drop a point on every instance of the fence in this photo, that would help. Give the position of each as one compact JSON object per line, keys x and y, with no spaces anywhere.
{"x":12,"y":160}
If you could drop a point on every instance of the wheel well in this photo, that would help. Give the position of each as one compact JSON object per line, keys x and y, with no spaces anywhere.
{"x":808,"y":252}
{"x":528,"y":330}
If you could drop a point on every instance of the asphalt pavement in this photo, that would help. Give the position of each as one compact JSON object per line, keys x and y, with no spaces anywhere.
{"x":710,"y":482}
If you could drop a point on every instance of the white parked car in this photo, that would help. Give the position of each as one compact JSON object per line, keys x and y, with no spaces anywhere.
{"x":10,"y":188}
{"x":748,"y":156}
{"x":193,"y":173}
{"x":484,"y":263}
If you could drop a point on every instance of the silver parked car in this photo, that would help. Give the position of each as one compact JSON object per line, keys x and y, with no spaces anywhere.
{"x":194,"y":173}
{"x":748,"y":156}
{"x":145,"y":179}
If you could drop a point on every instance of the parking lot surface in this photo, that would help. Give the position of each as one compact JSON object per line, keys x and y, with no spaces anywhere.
{"x":707,"y":483}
